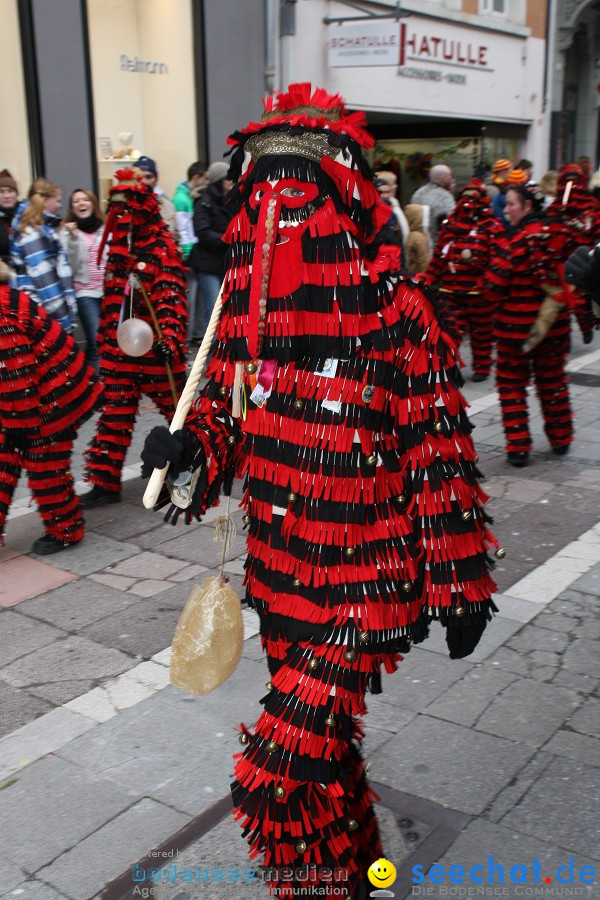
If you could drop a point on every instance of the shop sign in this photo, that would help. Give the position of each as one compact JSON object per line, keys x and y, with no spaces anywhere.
{"x":133,"y":64}
{"x":458,"y":48}
{"x":364,"y":44}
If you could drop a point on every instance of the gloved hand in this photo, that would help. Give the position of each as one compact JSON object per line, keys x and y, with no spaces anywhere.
{"x":163,"y":350}
{"x":583,"y":268}
{"x":162,"y":447}
{"x":463,"y":634}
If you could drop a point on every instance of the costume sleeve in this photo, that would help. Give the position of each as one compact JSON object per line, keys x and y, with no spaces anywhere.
{"x":169,"y":301}
{"x":19,"y":397}
{"x":440,"y":489}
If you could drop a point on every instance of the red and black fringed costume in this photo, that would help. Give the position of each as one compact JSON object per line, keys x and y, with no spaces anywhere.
{"x":579,"y":211}
{"x":140,"y":244}
{"x":46,"y":392}
{"x":466,"y":243}
{"x":523,"y":278}
{"x":334,"y":391}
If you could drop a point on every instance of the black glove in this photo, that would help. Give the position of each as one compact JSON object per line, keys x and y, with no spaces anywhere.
{"x":583,"y":268}
{"x":163,"y":351}
{"x":463,"y":633}
{"x":162,"y":447}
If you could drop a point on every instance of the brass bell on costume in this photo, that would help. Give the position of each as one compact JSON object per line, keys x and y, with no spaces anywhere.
{"x":272,"y":746}
{"x":314,"y":663}
{"x":250,"y":368}
{"x":349,"y":552}
{"x":371,"y":460}
{"x":243,"y":738}
{"x":279,"y":792}
{"x":459,"y":611}
{"x":269,"y":685}
{"x":500,"y":553}
{"x":352,"y":825}
{"x":363,"y":636}
{"x":401,"y":499}
{"x":407,"y":586}
{"x":296,"y":582}
{"x":466,"y":514}
{"x":298,"y":404}
{"x":301,"y":847}
{"x":247,"y":519}
{"x":292,"y":497}
{"x":231,"y":440}
{"x":223,"y":391}
{"x":438,"y":426}
{"x":330,"y":721}
{"x":350,"y":655}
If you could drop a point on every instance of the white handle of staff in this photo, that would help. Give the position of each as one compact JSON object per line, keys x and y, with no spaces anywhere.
{"x":185,"y":401}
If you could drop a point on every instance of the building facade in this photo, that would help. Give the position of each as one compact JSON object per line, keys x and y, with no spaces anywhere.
{"x":92,"y":82}
{"x":576,"y":82}
{"x":456,"y":81}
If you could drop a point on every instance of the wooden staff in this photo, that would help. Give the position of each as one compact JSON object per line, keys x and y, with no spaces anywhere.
{"x":185,"y":401}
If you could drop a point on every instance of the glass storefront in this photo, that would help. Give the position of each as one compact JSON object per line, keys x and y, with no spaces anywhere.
{"x":143,"y":86}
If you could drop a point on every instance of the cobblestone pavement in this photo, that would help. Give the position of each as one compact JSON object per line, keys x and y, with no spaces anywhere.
{"x":102,"y":761}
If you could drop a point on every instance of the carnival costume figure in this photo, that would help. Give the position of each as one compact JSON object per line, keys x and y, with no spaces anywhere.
{"x":459,"y":266}
{"x":144,"y":280}
{"x":577,"y":208}
{"x":364,"y":511}
{"x":46,"y":392}
{"x":532,"y":324}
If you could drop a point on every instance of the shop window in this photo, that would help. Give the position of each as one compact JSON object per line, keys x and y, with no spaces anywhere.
{"x":493,"y":7}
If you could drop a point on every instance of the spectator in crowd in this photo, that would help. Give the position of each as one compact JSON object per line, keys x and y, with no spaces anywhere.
{"x":46,"y":392}
{"x":438,"y":196}
{"x":149,"y":172}
{"x":548,"y":185}
{"x":497,"y":181}
{"x":185,"y":196}
{"x":207,"y":258}
{"x":418,"y":251}
{"x":516,"y":177}
{"x":526,"y":166}
{"x":8,"y":206}
{"x":501,"y":170}
{"x":39,"y":256}
{"x":84,"y":226}
{"x":389,"y":195}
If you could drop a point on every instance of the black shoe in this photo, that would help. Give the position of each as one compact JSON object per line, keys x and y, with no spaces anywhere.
{"x":588,"y":337}
{"x":518,"y":460}
{"x":562,"y":450}
{"x":479,"y":376}
{"x":99,"y":496}
{"x":48,"y":544}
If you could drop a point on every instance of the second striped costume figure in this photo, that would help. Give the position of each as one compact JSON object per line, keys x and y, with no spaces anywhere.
{"x":334,"y":391}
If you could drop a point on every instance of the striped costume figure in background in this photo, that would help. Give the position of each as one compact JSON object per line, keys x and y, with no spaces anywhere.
{"x":334,"y":391}
{"x":140,"y":245}
{"x":46,"y":392}
{"x":459,"y":267}
{"x":579,"y":211}
{"x":524,"y":279}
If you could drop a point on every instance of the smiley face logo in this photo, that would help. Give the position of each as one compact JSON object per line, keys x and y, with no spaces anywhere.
{"x":382,"y":873}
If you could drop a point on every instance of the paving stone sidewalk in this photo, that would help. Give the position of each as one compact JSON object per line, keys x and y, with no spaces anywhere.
{"x":101,"y":761}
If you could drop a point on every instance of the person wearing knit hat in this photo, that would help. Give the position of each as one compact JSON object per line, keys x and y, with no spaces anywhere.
{"x":147,"y":167}
{"x":9,"y":201}
{"x":207,"y":257}
{"x":500,"y":172}
{"x":517,"y":176}
{"x":333,"y":389}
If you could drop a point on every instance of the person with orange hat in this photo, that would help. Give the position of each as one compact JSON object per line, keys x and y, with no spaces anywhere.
{"x":500,"y":172}
{"x":333,"y":389}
